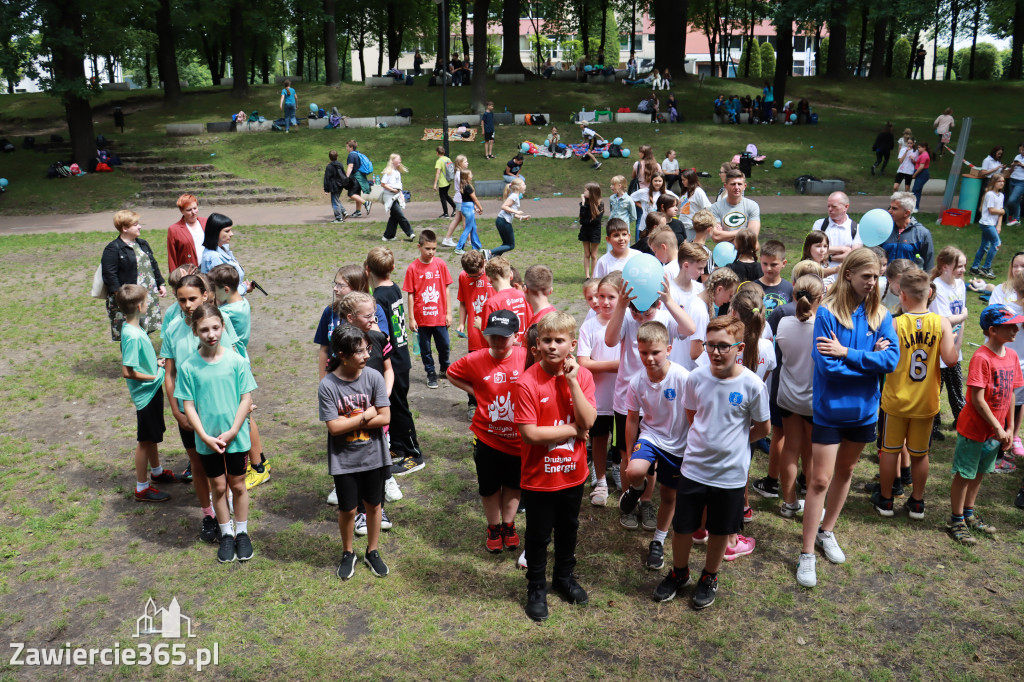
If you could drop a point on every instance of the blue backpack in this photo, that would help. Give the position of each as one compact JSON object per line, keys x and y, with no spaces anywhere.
{"x":365,"y":167}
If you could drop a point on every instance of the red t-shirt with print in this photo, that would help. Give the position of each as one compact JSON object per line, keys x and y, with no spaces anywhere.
{"x":997,"y":376}
{"x":428,"y":283}
{"x":493,"y":383}
{"x":510,"y":299}
{"x":546,"y":400}
{"x":536,"y":317}
{"x":474,"y":290}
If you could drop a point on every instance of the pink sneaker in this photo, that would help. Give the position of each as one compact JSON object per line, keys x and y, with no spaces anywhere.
{"x":700,"y":537}
{"x":744,"y":546}
{"x":1018,"y":447}
{"x":1005,"y":466}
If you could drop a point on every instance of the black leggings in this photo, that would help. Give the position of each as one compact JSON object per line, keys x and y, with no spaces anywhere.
{"x":442,"y":192}
{"x":396,"y":219}
{"x":953,"y":379}
{"x":881,"y":158}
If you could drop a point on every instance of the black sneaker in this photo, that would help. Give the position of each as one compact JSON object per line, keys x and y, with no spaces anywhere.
{"x":655,"y":556}
{"x":897,"y":488}
{"x":347,"y":567}
{"x":226,"y":553}
{"x":376,"y":564}
{"x":975,"y":270}
{"x":763,"y":444}
{"x":570,"y":590}
{"x":186,"y":475}
{"x":358,"y":214}
{"x":1019,"y":500}
{"x":630,"y":496}
{"x":801,"y":483}
{"x":670,"y":586}
{"x":210,"y":531}
{"x":431,"y":380}
{"x":704,"y":595}
{"x":915,"y":508}
{"x":165,"y":476}
{"x":407,"y":465}
{"x":938,"y":436}
{"x":243,"y":547}
{"x":766,"y":487}
{"x":882,"y":505}
{"x":537,"y":602}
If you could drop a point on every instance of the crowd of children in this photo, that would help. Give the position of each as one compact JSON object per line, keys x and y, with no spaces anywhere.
{"x":673,"y":398}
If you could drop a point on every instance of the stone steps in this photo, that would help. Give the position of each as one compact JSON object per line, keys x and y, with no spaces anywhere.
{"x":169,"y":198}
{"x":163,"y":182}
{"x":169,"y":169}
{"x":184,"y":177}
{"x":212,"y":192}
{"x":187,"y":184}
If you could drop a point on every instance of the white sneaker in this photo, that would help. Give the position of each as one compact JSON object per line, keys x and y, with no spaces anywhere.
{"x":392,"y":493}
{"x":826,"y":540}
{"x":521,"y":562}
{"x":385,"y":522}
{"x":360,"y":524}
{"x":789,"y":511}
{"x":447,"y":241}
{"x":599,"y":495}
{"x":806,"y":573}
{"x":613,"y":473}
{"x":592,"y":481}
{"x":333,"y":497}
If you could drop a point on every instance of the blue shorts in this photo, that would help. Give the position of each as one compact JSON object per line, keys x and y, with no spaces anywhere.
{"x":667,"y":466}
{"x":831,"y":435}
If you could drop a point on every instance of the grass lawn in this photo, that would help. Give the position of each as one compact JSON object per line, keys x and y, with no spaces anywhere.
{"x":79,"y":557}
{"x":851,"y":114}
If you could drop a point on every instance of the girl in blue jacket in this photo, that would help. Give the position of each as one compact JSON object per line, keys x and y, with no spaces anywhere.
{"x":855,"y":345}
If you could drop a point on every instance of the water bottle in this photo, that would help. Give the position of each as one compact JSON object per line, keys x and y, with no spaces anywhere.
{"x":415,"y":343}
{"x":990,"y":446}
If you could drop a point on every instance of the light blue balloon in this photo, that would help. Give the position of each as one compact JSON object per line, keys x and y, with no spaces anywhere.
{"x":524,"y":148}
{"x":723,"y":254}
{"x":618,"y":141}
{"x":3,"y":183}
{"x":777,"y":164}
{"x":625,"y":153}
{"x":792,"y":117}
{"x":588,"y":68}
{"x":605,"y":154}
{"x":644,"y":274}
{"x":875,"y":227}
{"x":547,"y":143}
{"x":313,"y":108}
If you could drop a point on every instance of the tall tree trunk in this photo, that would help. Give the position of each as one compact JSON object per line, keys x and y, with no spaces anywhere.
{"x":511,"y":61}
{"x":252,"y":62}
{"x":632,"y":30}
{"x":604,"y":28}
{"x":863,"y":41}
{"x":111,"y":68}
{"x":817,"y":50}
{"x":300,"y":44}
{"x":345,"y":56}
{"x":748,"y":38}
{"x":889,"y":45}
{"x":974,"y":36}
{"x":394,"y":35}
{"x":165,"y":54}
{"x":68,"y":66}
{"x":479,"y":84}
{"x":954,"y":16}
{"x":783,"y":56}
{"x":222,"y":64}
{"x":211,"y":53}
{"x":584,"y":19}
{"x":837,"y":40}
{"x":877,"y":70}
{"x":463,"y":28}
{"x":239,"y":87}
{"x":935,"y":40}
{"x":265,"y":61}
{"x":361,"y":44}
{"x":331,"y":43}
{"x":913,"y":56}
{"x":380,"y":51}
{"x":1016,"y":71}
{"x":149,"y":72}
{"x":442,"y":26}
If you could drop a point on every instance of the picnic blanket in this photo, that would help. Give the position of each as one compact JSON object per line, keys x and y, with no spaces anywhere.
{"x":581,"y":149}
{"x":438,"y":134}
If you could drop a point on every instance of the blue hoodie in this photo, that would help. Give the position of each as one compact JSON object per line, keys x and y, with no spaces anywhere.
{"x":846,"y":390}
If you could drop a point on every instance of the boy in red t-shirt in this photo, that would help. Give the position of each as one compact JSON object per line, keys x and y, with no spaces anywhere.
{"x":490,"y":375}
{"x":538,"y":281}
{"x":426,"y":284}
{"x":474,"y":290}
{"x":506,"y":297}
{"x":992,"y":376}
{"x":554,"y":407}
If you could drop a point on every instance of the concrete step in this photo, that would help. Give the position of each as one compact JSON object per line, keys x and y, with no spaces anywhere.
{"x":218,"y":192}
{"x":222,"y":200}
{"x":192,"y":184}
{"x":185,"y":178}
{"x":169,"y":169}
{"x":140,"y":159}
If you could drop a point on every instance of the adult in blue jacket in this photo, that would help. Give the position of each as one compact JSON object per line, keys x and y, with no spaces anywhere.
{"x":855,"y":345}
{"x":909,"y":239}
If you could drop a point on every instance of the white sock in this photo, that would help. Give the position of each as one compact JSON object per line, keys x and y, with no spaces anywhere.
{"x":139,"y":487}
{"x":660,"y":535}
{"x":156,"y":471}
{"x":241,"y":527}
{"x":225,"y":528}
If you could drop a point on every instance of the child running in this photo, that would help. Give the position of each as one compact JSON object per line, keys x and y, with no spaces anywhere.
{"x":510,"y":210}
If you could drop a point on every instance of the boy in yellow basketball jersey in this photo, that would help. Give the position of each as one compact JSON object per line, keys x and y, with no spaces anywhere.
{"x":910,"y":397}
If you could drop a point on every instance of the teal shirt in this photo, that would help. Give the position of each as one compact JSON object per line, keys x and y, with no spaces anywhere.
{"x":241,"y":319}
{"x":172,"y":313}
{"x":216,"y":389}
{"x":179,"y":344}
{"x":137,"y":352}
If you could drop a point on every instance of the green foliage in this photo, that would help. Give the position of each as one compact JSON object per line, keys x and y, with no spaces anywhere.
{"x":767,"y":60}
{"x":823,"y":56}
{"x":901,"y":57}
{"x":1004,"y":59}
{"x":571,"y":51}
{"x":193,"y":70}
{"x":755,"y":63}
{"x":988,"y":65}
{"x":493,"y":51}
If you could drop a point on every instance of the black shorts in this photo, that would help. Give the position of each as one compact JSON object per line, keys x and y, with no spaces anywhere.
{"x":724,"y":507}
{"x":590,"y":235}
{"x":188,"y":438}
{"x":361,"y":486}
{"x":488,"y":136}
{"x":786,"y":414}
{"x":233,"y":462}
{"x":829,"y":435}
{"x":495,"y":469}
{"x":904,"y":177}
{"x":603,"y":426}
{"x":150,"y":420}
{"x":620,"y":432}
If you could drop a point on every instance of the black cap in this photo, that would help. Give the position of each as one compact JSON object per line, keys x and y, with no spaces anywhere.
{"x":502,"y":323}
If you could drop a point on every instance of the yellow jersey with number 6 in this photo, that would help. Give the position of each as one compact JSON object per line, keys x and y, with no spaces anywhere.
{"x":912,"y":389}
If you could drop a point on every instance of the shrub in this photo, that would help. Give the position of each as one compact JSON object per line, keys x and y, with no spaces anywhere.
{"x":988,"y":65}
{"x":901,"y":58}
{"x":767,"y":60}
{"x":750,"y":47}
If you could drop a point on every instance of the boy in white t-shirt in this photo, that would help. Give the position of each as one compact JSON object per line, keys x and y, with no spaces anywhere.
{"x":622,"y":329}
{"x":658,"y":393}
{"x":685,"y":290}
{"x":664,"y":244}
{"x":727,"y":407}
{"x":617,"y":235}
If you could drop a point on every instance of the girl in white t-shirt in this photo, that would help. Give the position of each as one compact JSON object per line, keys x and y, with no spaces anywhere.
{"x":647,"y":199}
{"x":991,"y":219}
{"x":905,"y":172}
{"x":603,"y":362}
{"x":794,"y":339}
{"x":951,"y":302}
{"x":670,"y":168}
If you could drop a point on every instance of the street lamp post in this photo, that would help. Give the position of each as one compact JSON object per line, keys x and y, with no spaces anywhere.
{"x":442,"y":22}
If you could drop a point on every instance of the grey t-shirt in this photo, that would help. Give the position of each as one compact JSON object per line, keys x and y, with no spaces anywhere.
{"x":362,"y":449}
{"x":736,"y":217}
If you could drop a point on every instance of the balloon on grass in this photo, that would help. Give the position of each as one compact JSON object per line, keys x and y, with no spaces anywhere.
{"x":723,"y":254}
{"x":875,"y":227}
{"x":524,"y":148}
{"x":625,"y":153}
{"x":3,"y":183}
{"x":644,"y":274}
{"x":618,"y":141}
{"x":778,"y":163}
{"x":605,"y":154}
{"x":313,"y":108}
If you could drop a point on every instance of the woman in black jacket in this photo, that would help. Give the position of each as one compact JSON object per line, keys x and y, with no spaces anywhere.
{"x":884,"y":143}
{"x":129,"y":260}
